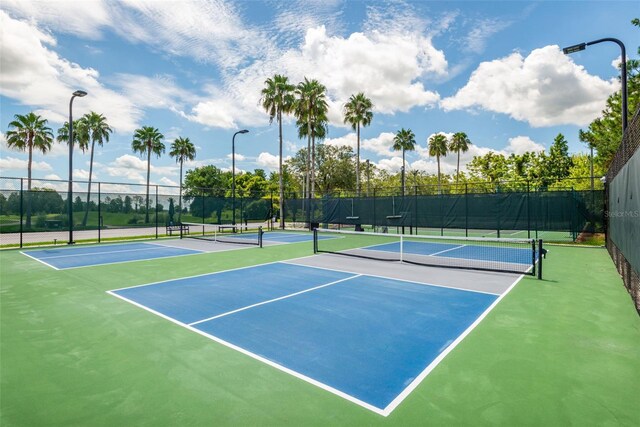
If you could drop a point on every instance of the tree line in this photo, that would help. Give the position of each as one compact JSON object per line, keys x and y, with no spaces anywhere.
{"x":325,"y":168}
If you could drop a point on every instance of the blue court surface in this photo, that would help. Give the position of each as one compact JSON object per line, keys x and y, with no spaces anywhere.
{"x":84,"y":256}
{"x":448,"y":250}
{"x":365,"y":338}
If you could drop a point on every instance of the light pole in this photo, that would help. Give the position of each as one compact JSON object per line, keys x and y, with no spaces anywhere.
{"x":623,"y":71}
{"x":80,"y":94}
{"x":233,"y":173}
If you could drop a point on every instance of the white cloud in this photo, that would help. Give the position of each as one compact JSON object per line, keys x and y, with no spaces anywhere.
{"x":481,"y":31}
{"x":166,"y":181}
{"x":380,"y":144}
{"x":43,"y":78}
{"x":523,"y":144}
{"x":84,"y":18}
{"x":393,"y":164}
{"x":269,"y":161}
{"x":239,"y":157}
{"x":544,"y":89}
{"x":83,"y":174}
{"x":12,"y":163}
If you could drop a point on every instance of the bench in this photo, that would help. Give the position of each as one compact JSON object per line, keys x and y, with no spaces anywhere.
{"x":181,"y":228}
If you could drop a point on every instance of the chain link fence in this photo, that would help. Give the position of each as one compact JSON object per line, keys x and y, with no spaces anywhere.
{"x":623,"y":209}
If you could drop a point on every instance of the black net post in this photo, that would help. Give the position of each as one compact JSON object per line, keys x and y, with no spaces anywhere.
{"x":315,"y":241}
{"x":466,"y":209}
{"x":540,"y":256}
{"x":260,"y":233}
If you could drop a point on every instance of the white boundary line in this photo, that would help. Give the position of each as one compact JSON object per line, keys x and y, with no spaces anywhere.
{"x":39,"y":260}
{"x":82,"y":255}
{"x":414,"y":384}
{"x":389,"y":408}
{"x":259,"y":358}
{"x":200,"y":275}
{"x":274,"y":299}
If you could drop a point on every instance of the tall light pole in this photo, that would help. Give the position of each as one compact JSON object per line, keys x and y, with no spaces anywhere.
{"x":80,"y":94}
{"x":623,"y":71}
{"x":233,"y":173}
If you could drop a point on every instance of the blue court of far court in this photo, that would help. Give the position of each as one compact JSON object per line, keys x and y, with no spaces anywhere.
{"x":365,"y":338}
{"x":462,"y":251}
{"x":84,"y":256}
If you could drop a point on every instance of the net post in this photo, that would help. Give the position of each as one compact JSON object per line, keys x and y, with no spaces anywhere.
{"x":533,"y":256}
{"x":315,"y":240}
{"x":540,"y":253}
{"x":401,"y":248}
{"x":260,"y":232}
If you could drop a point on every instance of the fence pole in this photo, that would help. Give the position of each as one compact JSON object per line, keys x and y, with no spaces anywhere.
{"x":202,"y":197}
{"x":156,"y":211}
{"x":375,"y":222}
{"x":21,"y":207}
{"x":99,"y":214}
{"x":528,"y":213}
{"x":466,"y":209}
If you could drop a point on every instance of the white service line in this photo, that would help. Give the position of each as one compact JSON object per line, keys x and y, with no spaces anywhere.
{"x":274,"y":299}
{"x":447,"y":250}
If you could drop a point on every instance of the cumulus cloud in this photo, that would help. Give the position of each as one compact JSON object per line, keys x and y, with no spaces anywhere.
{"x":523,"y":144}
{"x":43,"y":78}
{"x":13,"y":163}
{"x":134,"y":168}
{"x":394,"y":164}
{"x":270,"y":161}
{"x":544,"y":89}
{"x":380,"y":145}
{"x":83,"y":174}
{"x":239,"y":157}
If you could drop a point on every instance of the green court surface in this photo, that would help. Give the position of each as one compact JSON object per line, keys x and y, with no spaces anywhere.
{"x":561,"y":351}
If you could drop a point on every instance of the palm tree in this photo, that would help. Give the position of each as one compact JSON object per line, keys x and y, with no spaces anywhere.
{"x":148,"y":140}
{"x":182,"y":149}
{"x":357,"y":112}
{"x":94,"y":127}
{"x":26,"y":133}
{"x":78,"y":135}
{"x":404,"y":140}
{"x":311,"y":109}
{"x":459,"y":143}
{"x":277,"y":98}
{"x":438,"y":148}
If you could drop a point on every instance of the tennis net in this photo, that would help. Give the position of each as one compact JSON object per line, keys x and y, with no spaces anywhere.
{"x":493,"y":254}
{"x":222,"y":233}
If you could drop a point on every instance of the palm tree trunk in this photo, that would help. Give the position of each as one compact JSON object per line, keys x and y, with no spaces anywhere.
{"x":403,"y":171}
{"x":308,"y":195}
{"x":439,"y":189}
{"x":28,"y":224}
{"x":313,"y":164}
{"x":280,"y":178}
{"x":458,"y":168}
{"x":180,"y":195}
{"x":146,"y":214}
{"x":358,"y":162}
{"x":86,"y":210}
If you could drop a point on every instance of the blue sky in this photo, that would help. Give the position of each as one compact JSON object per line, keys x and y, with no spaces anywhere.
{"x":195,"y":69}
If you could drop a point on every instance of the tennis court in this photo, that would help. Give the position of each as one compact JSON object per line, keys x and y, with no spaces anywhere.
{"x":368,"y":338}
